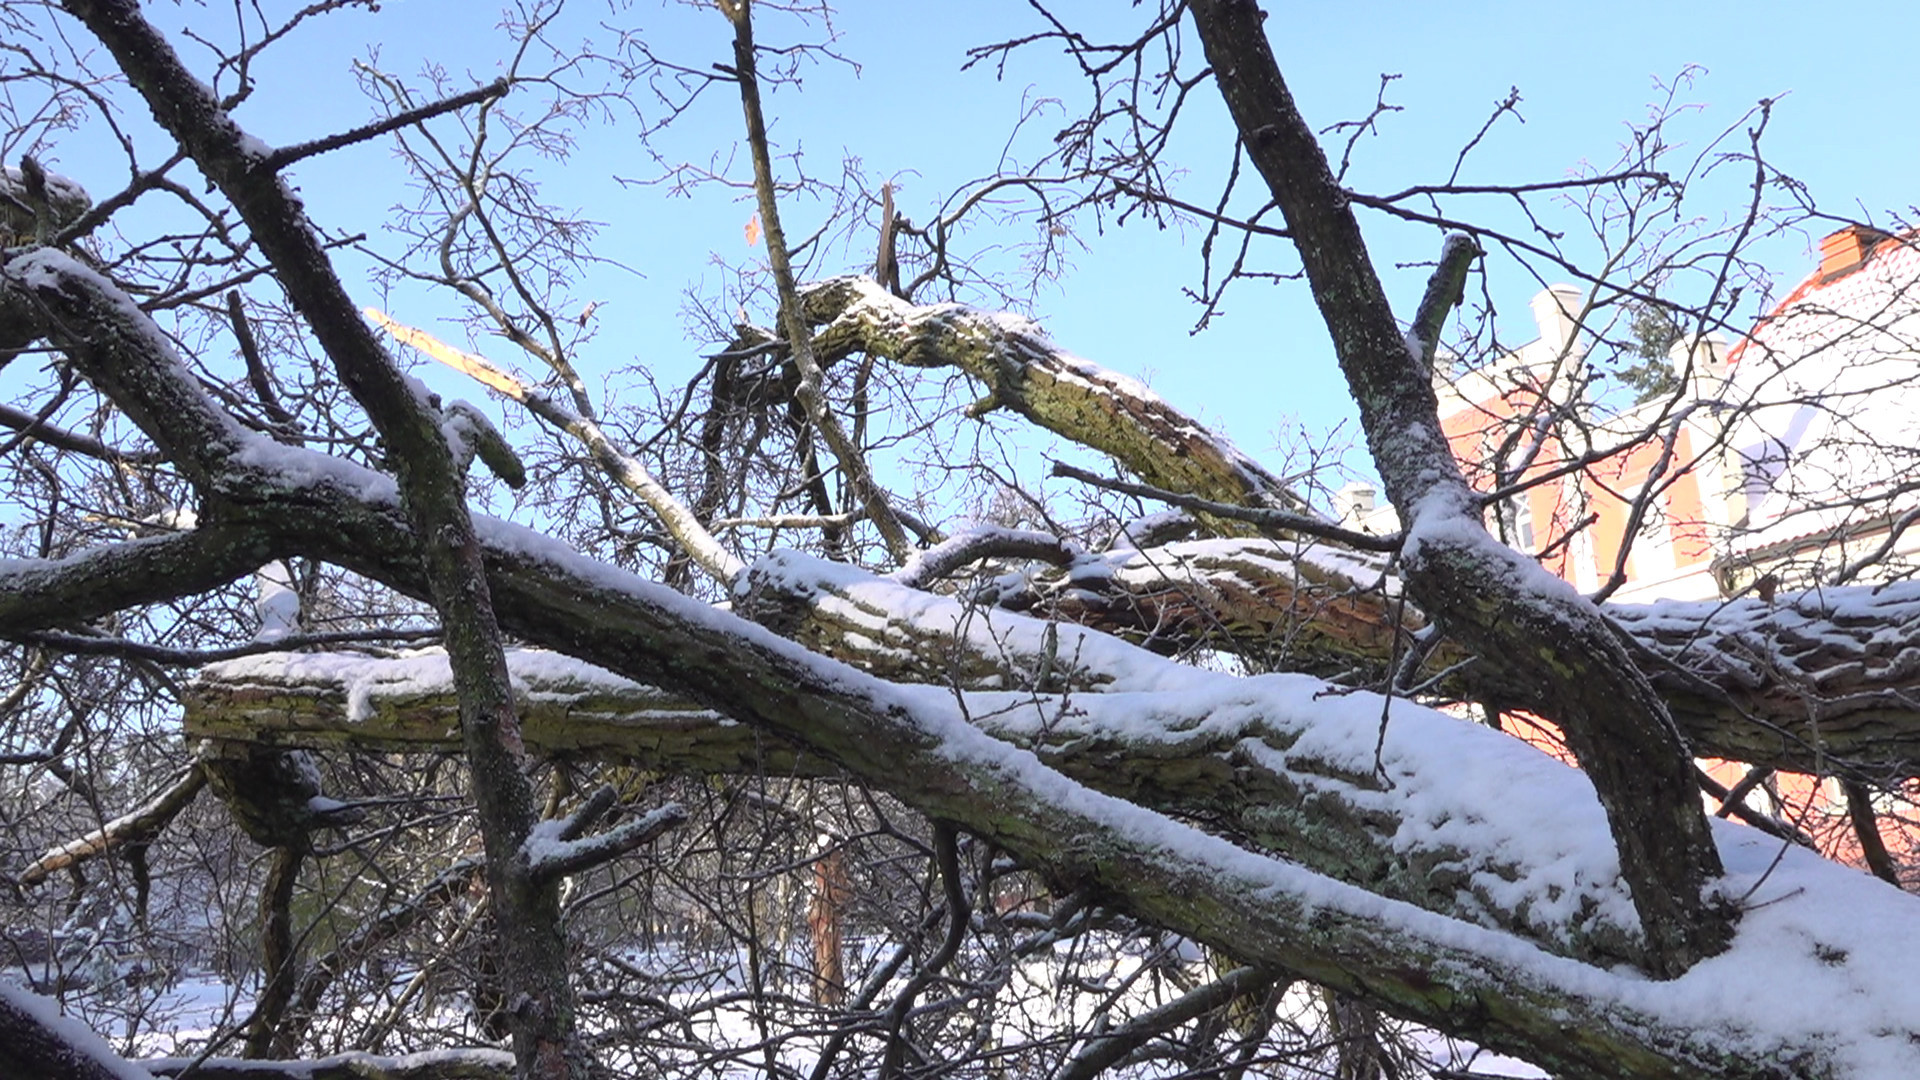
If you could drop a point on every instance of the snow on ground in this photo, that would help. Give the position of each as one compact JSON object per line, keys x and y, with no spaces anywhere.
{"x":727,"y":1034}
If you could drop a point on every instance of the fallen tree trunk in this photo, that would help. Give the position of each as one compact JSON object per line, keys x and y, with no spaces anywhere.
{"x":1466,"y":786}
{"x":1820,"y":682}
{"x":1813,"y":683}
{"x":1246,"y":777}
{"x":1817,"y":682}
{"x":1809,"y":682}
{"x":1819,"y":932}
{"x":1249,"y":776}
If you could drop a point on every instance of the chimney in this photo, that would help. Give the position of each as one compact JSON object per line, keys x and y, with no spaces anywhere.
{"x":1707,"y":356}
{"x":1353,"y":503}
{"x":1848,"y":248}
{"x":1556,"y":311}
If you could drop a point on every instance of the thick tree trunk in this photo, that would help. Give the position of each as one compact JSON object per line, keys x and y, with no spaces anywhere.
{"x":432,"y":491}
{"x":1249,"y":778}
{"x":826,"y":922}
{"x":1495,"y":601}
{"x":916,"y":745}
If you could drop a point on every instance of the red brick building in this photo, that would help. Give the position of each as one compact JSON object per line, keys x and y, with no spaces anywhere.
{"x":1790,"y":460}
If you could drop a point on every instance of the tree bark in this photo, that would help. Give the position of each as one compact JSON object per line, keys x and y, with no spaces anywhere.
{"x":826,"y":919}
{"x":38,"y":1044}
{"x":276,"y":949}
{"x":1249,"y":778}
{"x":138,"y":826}
{"x":1807,"y":682}
{"x":916,"y":746}
{"x":1026,"y":373}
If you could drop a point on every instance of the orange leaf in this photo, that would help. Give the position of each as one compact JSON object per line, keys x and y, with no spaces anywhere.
{"x":753,"y":230}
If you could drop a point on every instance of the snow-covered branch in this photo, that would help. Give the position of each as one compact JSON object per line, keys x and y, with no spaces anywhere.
{"x":1499,"y":603}
{"x":1026,"y":373}
{"x":1505,"y":853}
{"x":558,"y":847}
{"x":1181,"y":740}
{"x":476,"y":1063}
{"x":42,"y":594}
{"x":432,"y":496}
{"x":987,"y":542}
{"x":136,"y":826}
{"x":38,"y":1043}
{"x":1264,"y":517}
{"x":917,"y":743}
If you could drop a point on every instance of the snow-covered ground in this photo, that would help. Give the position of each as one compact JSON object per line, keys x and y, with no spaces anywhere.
{"x":1048,"y":1003}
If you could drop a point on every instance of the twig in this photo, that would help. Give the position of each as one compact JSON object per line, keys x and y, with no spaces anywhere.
{"x":1105,"y":1050}
{"x":556,"y":847}
{"x":160,"y":654}
{"x":810,"y":390}
{"x":287,"y":155}
{"x":1272,"y":519}
{"x":946,"y":847}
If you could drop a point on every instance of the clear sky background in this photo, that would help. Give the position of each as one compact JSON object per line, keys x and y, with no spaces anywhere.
{"x":1843,"y":75}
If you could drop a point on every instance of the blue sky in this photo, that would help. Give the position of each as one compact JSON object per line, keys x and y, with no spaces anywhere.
{"x":1583,"y":71}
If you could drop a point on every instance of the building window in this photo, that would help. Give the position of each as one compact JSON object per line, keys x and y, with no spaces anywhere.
{"x":1586,"y":570}
{"x":1652,"y":554}
{"x":1516,"y":522}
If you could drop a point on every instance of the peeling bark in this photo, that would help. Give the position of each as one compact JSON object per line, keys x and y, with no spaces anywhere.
{"x":826,"y":916}
{"x":1026,"y":373}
